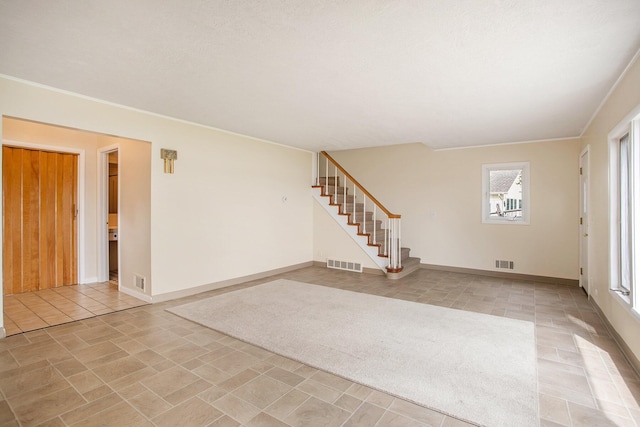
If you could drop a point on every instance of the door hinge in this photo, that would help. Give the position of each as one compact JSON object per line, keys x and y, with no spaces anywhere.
{"x":581,"y":271}
{"x":580,"y":220}
{"x":580,"y":171}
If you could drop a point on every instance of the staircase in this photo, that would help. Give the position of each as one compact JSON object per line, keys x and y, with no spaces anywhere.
{"x":371,"y":225}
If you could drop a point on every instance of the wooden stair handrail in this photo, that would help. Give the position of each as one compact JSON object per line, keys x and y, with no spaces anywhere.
{"x":357,"y":184}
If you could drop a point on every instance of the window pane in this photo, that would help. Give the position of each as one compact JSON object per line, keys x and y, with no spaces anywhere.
{"x":625,"y":216}
{"x":505,"y":193}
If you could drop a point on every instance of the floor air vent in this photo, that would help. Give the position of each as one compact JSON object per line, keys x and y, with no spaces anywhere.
{"x":344,"y":265}
{"x":504,"y":264}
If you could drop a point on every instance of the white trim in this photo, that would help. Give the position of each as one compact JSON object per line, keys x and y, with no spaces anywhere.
{"x":585,"y":224}
{"x":3,"y":332}
{"x":608,"y":95}
{"x":526,"y":189}
{"x":229,"y":282}
{"x":502,"y":144}
{"x":137,"y":110}
{"x":135,"y":294}
{"x":102,"y":208}
{"x":81,"y":195}
{"x":625,"y":303}
{"x":343,"y":221}
{"x":629,"y":124}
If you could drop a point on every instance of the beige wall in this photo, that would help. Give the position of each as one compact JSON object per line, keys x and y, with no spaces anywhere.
{"x":330,"y":241}
{"x":221,"y":215}
{"x":624,"y":98}
{"x":438,"y":194}
{"x":135,"y":161}
{"x":134,"y":215}
{"x":22,"y":131}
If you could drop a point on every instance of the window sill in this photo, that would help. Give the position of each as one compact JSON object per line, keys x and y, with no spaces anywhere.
{"x":625,"y":302}
{"x":505,"y":221}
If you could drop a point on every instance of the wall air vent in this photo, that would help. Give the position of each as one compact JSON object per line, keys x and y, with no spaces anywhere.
{"x":139,"y":281}
{"x":502,"y":264}
{"x":344,"y":265}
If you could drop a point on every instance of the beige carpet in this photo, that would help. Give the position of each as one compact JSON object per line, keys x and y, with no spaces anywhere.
{"x":475,"y":367}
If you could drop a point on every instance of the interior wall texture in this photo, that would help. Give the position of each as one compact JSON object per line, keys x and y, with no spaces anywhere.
{"x":135,"y":195}
{"x":439,"y":195}
{"x":234,"y":207}
{"x":134,"y":214}
{"x":623,"y":99}
{"x":21,"y":131}
{"x":330,"y":241}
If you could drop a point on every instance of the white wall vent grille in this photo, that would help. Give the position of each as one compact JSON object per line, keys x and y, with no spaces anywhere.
{"x":344,"y":265}
{"x":139,"y":281}
{"x":504,"y":264}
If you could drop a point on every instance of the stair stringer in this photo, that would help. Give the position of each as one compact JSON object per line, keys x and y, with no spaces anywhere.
{"x":343,"y":221}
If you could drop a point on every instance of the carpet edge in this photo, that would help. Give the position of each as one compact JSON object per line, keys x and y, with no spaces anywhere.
{"x":169,"y":309}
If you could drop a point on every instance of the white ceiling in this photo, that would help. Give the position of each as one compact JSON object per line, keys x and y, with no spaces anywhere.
{"x":335,"y":74}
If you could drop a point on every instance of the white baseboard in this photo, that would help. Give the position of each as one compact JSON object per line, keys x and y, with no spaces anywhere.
{"x":500,"y":274}
{"x":223,"y":284}
{"x":135,"y":294}
{"x":88,"y":280}
{"x":3,"y":332}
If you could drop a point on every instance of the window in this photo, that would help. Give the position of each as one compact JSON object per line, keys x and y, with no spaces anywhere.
{"x":624,"y":264}
{"x":624,"y":216}
{"x":505,"y":189}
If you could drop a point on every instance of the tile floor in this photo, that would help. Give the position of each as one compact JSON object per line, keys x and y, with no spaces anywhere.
{"x":48,"y":307}
{"x":145,"y":366}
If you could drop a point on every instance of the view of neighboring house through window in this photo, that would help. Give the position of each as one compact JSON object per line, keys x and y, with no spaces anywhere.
{"x":624,"y":196}
{"x":505,"y":193}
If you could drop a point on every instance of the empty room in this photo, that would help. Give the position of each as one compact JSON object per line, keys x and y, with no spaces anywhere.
{"x":297,"y":213}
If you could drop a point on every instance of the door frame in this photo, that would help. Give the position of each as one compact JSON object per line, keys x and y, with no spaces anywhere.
{"x":585,"y":202}
{"x":103,"y":213}
{"x":81,"y":196}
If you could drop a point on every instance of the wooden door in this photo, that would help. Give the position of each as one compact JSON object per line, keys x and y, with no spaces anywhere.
{"x":39,"y":219}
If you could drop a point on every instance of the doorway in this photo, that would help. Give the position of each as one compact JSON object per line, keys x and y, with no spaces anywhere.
{"x":93,"y":295}
{"x":112,"y":221}
{"x":109,"y":245}
{"x":40,"y":211}
{"x":584,"y":220}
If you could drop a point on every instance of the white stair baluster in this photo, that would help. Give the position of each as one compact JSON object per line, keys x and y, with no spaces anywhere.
{"x":374,"y":224}
{"x":326,"y":176}
{"x":344,"y":194}
{"x":335,"y":184}
{"x":399,"y":243}
{"x":364,"y":215}
{"x":353,"y":219}
{"x":386,"y":238}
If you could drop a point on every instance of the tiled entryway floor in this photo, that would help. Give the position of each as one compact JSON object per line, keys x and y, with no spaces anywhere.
{"x":34,"y":310}
{"x":145,"y":366}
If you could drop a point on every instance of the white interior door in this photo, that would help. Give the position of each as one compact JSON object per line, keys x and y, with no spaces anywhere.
{"x":584,"y":219}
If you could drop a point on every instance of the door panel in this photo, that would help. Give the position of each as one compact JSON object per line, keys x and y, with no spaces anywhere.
{"x":30,"y":221}
{"x":12,"y":221}
{"x":40,"y":196}
{"x":584,"y":221}
{"x":67,"y":218}
{"x":48,"y":173}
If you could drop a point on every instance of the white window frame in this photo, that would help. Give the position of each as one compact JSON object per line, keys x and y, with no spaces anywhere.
{"x":526,"y":189}
{"x":630,"y":125}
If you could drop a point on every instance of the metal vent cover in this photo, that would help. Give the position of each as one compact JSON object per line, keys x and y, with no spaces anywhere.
{"x":139,"y":281}
{"x":504,"y":264}
{"x":344,"y":265}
